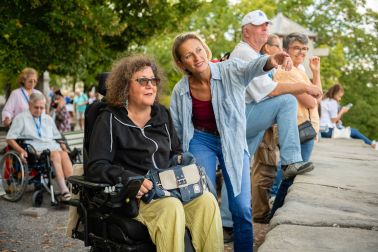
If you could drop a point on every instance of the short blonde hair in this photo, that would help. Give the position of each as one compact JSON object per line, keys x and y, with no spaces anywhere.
{"x":179,"y":40}
{"x":25,"y":73}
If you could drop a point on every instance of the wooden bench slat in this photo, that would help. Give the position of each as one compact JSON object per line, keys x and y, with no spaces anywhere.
{"x":74,"y":139}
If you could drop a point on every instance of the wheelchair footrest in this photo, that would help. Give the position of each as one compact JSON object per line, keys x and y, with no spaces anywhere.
{"x":80,"y":235}
{"x":108,"y":245}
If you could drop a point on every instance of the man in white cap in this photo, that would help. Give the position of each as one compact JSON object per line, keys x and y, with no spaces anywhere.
{"x":268,"y":102}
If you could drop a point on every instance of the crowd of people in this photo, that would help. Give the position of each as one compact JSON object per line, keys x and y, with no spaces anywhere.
{"x":229,"y":114}
{"x":68,"y":110}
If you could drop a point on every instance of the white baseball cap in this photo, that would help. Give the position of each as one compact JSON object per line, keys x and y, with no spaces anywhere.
{"x":256,"y":17}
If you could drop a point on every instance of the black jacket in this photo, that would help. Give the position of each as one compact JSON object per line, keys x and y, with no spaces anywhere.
{"x":118,"y":148}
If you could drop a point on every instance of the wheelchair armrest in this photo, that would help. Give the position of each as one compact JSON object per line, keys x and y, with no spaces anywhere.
{"x":21,"y":141}
{"x":82,"y":181}
{"x":112,"y":196}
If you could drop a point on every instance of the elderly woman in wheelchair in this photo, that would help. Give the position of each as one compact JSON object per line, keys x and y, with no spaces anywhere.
{"x":131,"y":135}
{"x":40,"y":133}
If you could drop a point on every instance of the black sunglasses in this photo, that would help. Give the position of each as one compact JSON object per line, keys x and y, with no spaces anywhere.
{"x":143,"y":81}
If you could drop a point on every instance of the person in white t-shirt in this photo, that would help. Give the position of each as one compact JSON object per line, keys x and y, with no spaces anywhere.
{"x":332,"y":112}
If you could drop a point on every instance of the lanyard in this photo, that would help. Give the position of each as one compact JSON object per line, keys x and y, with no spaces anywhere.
{"x":38,"y":126}
{"x":25,"y":96}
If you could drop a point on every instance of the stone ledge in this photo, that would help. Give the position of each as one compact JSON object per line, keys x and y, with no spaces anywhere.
{"x":302,"y":238}
{"x":332,"y":208}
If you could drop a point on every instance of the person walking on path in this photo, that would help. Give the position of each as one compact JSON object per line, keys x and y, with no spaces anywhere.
{"x":18,"y":100}
{"x":62,"y":116}
{"x":80,"y":102}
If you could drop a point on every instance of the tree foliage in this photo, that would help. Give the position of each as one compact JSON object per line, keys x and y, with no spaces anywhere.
{"x":82,"y":37}
{"x":79,"y":37}
{"x":346,"y":27}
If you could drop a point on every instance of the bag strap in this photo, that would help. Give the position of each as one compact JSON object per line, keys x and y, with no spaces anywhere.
{"x":309,"y":114}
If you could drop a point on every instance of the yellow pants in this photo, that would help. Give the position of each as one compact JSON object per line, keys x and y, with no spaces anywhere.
{"x":167,"y":218}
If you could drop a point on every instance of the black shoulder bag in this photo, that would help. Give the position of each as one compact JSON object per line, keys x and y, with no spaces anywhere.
{"x":306,"y":131}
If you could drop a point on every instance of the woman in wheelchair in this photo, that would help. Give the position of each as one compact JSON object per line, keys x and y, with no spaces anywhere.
{"x":39,"y":130}
{"x":133,"y":134}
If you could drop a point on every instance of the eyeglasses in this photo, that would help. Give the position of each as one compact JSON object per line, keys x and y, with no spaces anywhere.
{"x":298,"y":49}
{"x":38,"y":107}
{"x":32,"y":81}
{"x":144,"y":81}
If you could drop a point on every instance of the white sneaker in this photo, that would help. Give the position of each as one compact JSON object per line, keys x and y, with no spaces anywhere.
{"x":2,"y":192}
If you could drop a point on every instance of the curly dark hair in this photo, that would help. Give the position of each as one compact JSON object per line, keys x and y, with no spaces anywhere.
{"x":117,"y":83}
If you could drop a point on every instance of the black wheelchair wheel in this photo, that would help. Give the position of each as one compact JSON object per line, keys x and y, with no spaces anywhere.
{"x":14,"y":175}
{"x":37,"y":198}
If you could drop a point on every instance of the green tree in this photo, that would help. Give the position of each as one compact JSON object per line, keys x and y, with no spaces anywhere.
{"x":218,"y":22}
{"x":79,"y":37}
{"x":343,"y":26}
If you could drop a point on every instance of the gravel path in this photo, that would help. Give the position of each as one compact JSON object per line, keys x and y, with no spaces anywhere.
{"x":21,"y":233}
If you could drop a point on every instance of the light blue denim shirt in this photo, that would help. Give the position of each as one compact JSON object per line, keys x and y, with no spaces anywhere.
{"x":228,"y":81}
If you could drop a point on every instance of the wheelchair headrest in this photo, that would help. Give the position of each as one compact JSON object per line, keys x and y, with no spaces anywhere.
{"x":102,"y":82}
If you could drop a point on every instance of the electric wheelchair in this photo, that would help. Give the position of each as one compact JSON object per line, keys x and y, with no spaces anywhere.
{"x":38,"y":171}
{"x":104,"y":217}
{"x":101,"y":214}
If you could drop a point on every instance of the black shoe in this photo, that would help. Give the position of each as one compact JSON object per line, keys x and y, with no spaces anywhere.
{"x":228,"y":234}
{"x":294,"y":169}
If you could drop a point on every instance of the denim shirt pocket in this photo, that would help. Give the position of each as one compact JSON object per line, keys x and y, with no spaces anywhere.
{"x":232,"y":113}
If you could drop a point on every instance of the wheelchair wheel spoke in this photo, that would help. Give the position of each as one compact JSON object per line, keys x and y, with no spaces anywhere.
{"x":13,"y":176}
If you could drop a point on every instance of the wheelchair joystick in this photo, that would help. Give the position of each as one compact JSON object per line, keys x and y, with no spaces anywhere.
{"x":119,"y":185}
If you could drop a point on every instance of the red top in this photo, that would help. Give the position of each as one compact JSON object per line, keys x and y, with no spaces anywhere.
{"x":203,"y":115}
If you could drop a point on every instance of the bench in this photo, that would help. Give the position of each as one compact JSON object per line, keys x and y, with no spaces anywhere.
{"x":74,"y":139}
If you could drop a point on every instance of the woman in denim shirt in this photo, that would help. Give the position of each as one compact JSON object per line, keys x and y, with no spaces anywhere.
{"x":208,"y":111}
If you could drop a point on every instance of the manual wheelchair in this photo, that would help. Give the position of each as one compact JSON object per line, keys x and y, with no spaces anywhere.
{"x":38,"y":171}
